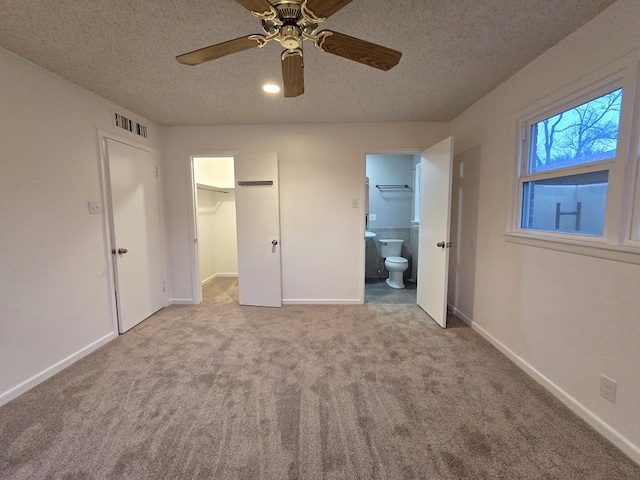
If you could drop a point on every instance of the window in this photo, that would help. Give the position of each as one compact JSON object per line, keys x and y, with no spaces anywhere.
{"x":566,"y":160}
{"x":577,"y":179}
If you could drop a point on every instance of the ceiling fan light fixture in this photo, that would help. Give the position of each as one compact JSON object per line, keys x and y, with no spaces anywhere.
{"x":271,"y":88}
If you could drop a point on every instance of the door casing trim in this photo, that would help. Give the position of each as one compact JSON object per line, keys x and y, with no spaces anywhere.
{"x":196,"y":286}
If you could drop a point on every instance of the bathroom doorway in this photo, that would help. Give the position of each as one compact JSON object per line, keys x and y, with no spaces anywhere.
{"x":215,"y":219}
{"x":391,"y":213}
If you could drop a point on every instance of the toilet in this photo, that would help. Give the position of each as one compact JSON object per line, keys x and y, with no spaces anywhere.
{"x":390,"y":248}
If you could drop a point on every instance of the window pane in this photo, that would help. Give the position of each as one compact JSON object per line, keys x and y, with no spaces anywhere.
{"x":586,"y":133}
{"x":571,"y":204}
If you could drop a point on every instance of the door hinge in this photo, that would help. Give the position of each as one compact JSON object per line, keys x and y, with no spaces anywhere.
{"x":157,"y":173}
{"x":164,"y":286}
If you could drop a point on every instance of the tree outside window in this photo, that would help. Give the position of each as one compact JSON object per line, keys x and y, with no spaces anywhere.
{"x":584,"y":134}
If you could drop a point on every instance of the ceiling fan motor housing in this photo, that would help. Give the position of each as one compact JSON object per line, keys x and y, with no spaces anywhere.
{"x":290,"y":37}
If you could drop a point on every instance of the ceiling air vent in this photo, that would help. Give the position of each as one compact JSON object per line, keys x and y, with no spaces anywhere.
{"x":129,"y":125}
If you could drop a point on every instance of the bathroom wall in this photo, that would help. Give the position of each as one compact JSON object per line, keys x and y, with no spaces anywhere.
{"x":390,"y":209}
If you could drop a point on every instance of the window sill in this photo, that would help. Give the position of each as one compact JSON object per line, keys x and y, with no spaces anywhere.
{"x":617,"y":253}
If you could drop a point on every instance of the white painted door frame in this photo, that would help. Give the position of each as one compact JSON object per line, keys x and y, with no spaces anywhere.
{"x":365,"y":193}
{"x":192,"y":206}
{"x":377,"y":151}
{"x":107,"y":215}
{"x":245,"y":163}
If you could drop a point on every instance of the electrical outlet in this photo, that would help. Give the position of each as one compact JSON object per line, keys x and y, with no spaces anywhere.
{"x":94,"y":208}
{"x":372,"y":217}
{"x":608,"y":388}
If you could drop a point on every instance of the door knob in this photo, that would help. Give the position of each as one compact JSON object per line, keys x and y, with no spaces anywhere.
{"x":274,"y":242}
{"x":440,"y":244}
{"x":122,"y":251}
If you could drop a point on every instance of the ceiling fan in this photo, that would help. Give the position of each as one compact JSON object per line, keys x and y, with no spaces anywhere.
{"x":290,"y":22}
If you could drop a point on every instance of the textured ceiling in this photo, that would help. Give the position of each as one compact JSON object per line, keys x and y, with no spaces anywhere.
{"x":454,"y":52}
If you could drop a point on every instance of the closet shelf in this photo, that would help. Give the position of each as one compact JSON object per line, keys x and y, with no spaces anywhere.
{"x":212,"y":188}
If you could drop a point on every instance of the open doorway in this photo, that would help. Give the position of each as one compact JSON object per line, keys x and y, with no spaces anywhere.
{"x":215,"y":236}
{"x":246,"y":214}
{"x":392,"y":221}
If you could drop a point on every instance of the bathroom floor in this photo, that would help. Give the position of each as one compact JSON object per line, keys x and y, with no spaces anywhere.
{"x":376,"y":290}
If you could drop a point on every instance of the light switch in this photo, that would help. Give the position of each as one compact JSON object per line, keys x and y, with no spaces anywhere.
{"x":354,"y":203}
{"x":94,"y":208}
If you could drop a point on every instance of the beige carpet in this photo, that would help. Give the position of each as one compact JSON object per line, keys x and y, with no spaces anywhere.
{"x":218,"y":391}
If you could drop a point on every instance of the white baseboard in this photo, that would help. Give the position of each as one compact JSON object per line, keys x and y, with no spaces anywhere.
{"x":321,"y":301}
{"x":460,"y":315}
{"x":629,"y":448}
{"x":18,"y":390}
{"x":217,"y":275}
{"x":181,"y":301}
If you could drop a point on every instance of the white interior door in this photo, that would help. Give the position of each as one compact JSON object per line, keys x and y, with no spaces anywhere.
{"x":258,"y":225}
{"x":435,"y":219}
{"x":136,"y":233}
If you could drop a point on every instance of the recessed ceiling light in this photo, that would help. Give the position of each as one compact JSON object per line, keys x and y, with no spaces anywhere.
{"x":271,"y":88}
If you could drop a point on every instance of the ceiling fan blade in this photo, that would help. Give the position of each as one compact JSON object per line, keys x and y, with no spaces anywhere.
{"x":259,"y":6}
{"x":326,"y":8}
{"x":293,"y":73}
{"x":358,"y":50}
{"x":216,"y":51}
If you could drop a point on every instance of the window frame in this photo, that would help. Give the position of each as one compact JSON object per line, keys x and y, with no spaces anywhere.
{"x":524,"y":176}
{"x":623,"y":191}
{"x":632,"y":172}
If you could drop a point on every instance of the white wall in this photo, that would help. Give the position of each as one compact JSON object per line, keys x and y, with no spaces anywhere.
{"x":54,"y":286}
{"x":321,"y":171}
{"x":392,"y":207}
{"x":214,"y":171}
{"x":217,"y":237}
{"x":564,"y":317}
